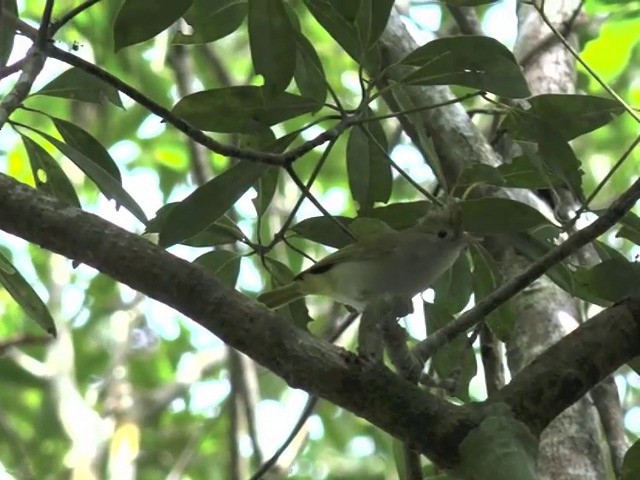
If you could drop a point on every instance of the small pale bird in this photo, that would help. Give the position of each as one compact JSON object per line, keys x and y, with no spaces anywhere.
{"x":402,"y":263}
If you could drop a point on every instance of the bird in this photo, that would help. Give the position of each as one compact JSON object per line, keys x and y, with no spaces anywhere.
{"x":398,"y":263}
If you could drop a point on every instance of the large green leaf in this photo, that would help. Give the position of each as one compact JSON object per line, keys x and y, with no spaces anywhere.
{"x":631,"y":463}
{"x":489,"y":216}
{"x":7,"y":31}
{"x":471,"y":61}
{"x":611,"y":280}
{"x":48,"y":175}
{"x":209,"y":202}
{"x":574,"y":115}
{"x":324,"y":230}
{"x":339,"y":19}
{"x":401,"y":215}
{"x":500,"y":448}
{"x":453,"y":288}
{"x":553,"y":152}
{"x":521,"y":172}
{"x":224,"y":264}
{"x":140,"y":20}
{"x":222,"y":232}
{"x":108,"y":185}
{"x":24,"y":294}
{"x":272,"y":43}
{"x":76,"y":84}
{"x":84,"y":142}
{"x":309,"y":73}
{"x":371,"y":20}
{"x":244,"y":109}
{"x":212,"y":21}
{"x":457,"y":358}
{"x":368,"y":168}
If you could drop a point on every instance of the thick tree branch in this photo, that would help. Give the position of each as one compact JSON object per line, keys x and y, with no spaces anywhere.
{"x":432,"y":426}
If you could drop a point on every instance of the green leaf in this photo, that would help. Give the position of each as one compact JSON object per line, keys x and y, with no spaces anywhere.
{"x":457,"y":358}
{"x":272,"y":43}
{"x":631,"y":463}
{"x":224,"y":264}
{"x":490,"y":216}
{"x":243,"y":109}
{"x":574,"y":115}
{"x":209,"y":202}
{"x":48,"y":175}
{"x":324,"y":230}
{"x":630,"y":228}
{"x":371,"y":20}
{"x":84,"y":142}
{"x":611,"y":280}
{"x":401,"y":215}
{"x":369,"y":171}
{"x":7,"y":31}
{"x":553,"y":153}
{"x":469,"y":3}
{"x":309,"y":73}
{"x":471,"y":61}
{"x":140,"y":20}
{"x":222,"y":232}
{"x":480,"y":173}
{"x":500,"y":448}
{"x":76,"y":84}
{"x":486,"y":278}
{"x":296,"y":312}
{"x":454,"y":287}
{"x":211,"y":22}
{"x":25,"y":295}
{"x":533,"y":247}
{"x":109,"y":187}
{"x":338,"y":18}
{"x":266,"y":189}
{"x":523,"y":172}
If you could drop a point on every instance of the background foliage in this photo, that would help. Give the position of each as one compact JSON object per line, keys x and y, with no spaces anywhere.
{"x":196,"y":404}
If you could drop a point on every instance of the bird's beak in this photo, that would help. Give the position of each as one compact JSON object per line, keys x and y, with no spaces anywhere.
{"x":468,"y":238}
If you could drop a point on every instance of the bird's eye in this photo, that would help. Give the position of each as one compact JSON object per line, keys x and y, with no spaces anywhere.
{"x":442,"y":233}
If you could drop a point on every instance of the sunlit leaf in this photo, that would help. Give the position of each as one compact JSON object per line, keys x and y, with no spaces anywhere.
{"x":76,"y":84}
{"x":24,"y":294}
{"x":471,"y":61}
{"x":371,"y":20}
{"x":48,"y":175}
{"x":140,"y":20}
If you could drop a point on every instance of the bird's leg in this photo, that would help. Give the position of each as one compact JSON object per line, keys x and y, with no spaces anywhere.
{"x":377,"y":315}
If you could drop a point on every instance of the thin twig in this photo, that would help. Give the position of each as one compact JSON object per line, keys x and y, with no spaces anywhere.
{"x":43,"y":30}
{"x":70,"y":15}
{"x":314,"y":200}
{"x":425,"y":349}
{"x":577,"y":56}
{"x":13,"y":68}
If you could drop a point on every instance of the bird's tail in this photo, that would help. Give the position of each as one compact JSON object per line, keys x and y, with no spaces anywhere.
{"x":280,"y":296}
